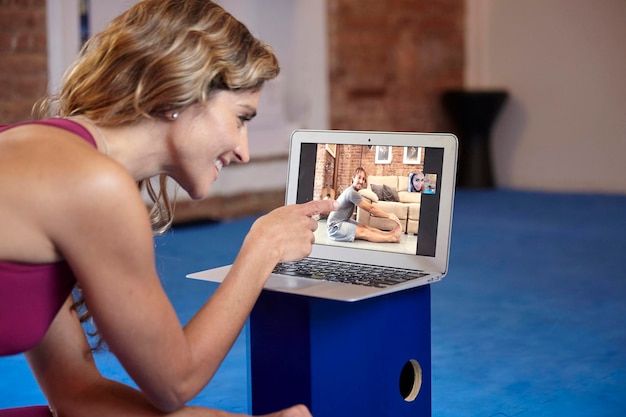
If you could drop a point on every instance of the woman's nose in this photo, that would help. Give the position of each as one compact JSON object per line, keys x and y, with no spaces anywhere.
{"x":242,"y":152}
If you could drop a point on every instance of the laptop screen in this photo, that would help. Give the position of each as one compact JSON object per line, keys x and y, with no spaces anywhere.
{"x":322,"y":164}
{"x":409,"y":175}
{"x":401,"y":180}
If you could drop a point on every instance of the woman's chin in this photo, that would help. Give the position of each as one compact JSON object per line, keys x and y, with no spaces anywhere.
{"x":199,"y":194}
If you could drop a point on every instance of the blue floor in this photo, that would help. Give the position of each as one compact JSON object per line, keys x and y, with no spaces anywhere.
{"x":530,"y":320}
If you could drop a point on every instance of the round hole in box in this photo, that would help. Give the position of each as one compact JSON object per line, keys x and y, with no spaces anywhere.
{"x":410,"y":380}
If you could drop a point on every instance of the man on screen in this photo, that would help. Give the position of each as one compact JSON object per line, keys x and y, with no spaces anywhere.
{"x":341,"y":226}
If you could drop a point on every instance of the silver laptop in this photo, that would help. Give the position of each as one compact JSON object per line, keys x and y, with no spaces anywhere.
{"x":321,"y":165}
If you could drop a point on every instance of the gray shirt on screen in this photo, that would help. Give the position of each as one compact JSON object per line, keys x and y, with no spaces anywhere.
{"x":348,"y":199}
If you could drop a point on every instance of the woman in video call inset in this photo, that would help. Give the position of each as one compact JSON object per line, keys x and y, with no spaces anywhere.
{"x":416,"y":182}
{"x":420,"y":183}
{"x":342,"y":228}
{"x":166,"y":90}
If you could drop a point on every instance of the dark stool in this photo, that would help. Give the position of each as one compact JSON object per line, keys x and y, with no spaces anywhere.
{"x":473,"y":114}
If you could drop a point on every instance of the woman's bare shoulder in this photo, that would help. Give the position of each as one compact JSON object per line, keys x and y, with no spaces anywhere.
{"x":52,"y":179}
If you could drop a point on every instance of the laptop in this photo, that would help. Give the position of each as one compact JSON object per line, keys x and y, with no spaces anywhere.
{"x":321,"y":164}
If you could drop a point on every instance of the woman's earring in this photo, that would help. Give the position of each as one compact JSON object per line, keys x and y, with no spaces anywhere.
{"x":174,"y":116}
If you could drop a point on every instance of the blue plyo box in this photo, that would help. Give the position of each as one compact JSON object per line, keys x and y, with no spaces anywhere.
{"x":342,"y":358}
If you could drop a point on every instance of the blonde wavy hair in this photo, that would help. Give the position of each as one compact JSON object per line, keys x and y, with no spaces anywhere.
{"x":160,"y":56}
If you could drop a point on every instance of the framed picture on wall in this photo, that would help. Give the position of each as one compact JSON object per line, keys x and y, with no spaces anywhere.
{"x":383,"y":154}
{"x":412,"y":155}
{"x":331,"y":148}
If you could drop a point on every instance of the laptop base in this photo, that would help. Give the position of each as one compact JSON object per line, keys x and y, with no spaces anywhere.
{"x":371,"y":358}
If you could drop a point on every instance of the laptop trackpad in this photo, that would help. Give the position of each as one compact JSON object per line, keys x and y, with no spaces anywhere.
{"x":282,"y":282}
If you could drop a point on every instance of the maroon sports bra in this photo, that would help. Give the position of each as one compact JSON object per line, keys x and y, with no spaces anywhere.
{"x":32,"y":294}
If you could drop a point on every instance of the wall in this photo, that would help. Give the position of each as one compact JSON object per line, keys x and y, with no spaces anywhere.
{"x":563,"y":128}
{"x":390,"y":60}
{"x":563,"y":62}
{"x":23,"y":57}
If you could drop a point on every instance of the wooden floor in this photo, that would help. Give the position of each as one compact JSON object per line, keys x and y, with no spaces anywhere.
{"x":227,"y":207}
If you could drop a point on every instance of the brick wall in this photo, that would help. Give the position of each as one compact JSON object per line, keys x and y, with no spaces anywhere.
{"x":338,"y":176}
{"x":23,"y":57}
{"x":390,"y":60}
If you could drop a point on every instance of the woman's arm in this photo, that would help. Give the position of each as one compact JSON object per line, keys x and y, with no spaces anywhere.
{"x":100,"y":225}
{"x":65,"y":369}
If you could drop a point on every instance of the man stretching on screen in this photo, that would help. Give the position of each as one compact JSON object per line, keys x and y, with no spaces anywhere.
{"x":342,"y":228}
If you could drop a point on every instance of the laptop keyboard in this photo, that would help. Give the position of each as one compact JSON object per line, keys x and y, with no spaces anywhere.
{"x":351,"y":273}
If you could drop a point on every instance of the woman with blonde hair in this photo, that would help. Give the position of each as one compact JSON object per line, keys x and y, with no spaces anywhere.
{"x":166,"y":90}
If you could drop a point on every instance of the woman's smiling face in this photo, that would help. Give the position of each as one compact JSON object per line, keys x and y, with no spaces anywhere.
{"x":208,"y":137}
{"x":418,"y":181}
